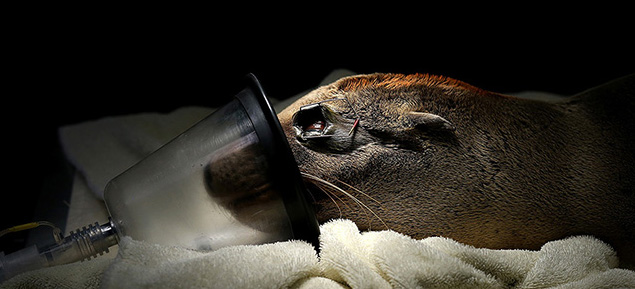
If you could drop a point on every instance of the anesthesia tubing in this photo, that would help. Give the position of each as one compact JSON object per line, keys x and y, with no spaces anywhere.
{"x":77,"y":246}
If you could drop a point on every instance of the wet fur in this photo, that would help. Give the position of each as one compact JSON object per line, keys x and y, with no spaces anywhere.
{"x":503,"y":172}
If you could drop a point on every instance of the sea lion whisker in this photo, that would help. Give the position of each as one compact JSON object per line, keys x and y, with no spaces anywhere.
{"x":366,"y":195}
{"x":331,"y":195}
{"x":361,"y":192}
{"x":338,"y":189}
{"x":329,"y":190}
{"x":359,"y":202}
{"x":328,"y":194}
{"x":364,"y":206}
{"x":334,"y":190}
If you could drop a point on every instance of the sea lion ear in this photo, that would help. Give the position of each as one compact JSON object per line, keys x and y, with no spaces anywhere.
{"x":428,"y":121}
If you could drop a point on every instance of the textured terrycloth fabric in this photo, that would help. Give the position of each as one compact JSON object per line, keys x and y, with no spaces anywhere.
{"x":348,"y":259}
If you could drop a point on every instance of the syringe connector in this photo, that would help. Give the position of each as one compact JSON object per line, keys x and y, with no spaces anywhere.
{"x":94,"y":240}
{"x":79,"y":245}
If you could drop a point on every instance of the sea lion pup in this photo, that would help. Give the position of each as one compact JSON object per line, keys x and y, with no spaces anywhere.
{"x":432,"y":156}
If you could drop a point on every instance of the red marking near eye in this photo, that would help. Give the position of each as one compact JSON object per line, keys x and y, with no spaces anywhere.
{"x":354,"y":126}
{"x":355,"y":123}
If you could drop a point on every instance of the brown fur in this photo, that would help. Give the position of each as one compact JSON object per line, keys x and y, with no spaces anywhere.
{"x":501,"y":172}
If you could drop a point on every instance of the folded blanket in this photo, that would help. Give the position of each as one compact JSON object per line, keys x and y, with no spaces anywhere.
{"x":348,"y":259}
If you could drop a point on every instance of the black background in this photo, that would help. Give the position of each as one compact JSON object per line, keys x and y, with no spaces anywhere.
{"x":65,"y":70}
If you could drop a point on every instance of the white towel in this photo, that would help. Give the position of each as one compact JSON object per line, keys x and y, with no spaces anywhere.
{"x":348,"y":259}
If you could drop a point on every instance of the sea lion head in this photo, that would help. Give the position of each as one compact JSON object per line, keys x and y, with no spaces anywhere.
{"x":394,"y":144}
{"x":428,"y":155}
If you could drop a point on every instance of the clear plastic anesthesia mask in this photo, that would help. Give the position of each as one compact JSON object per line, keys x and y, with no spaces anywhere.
{"x":231,"y":179}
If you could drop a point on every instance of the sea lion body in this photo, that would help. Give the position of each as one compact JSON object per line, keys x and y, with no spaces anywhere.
{"x":433,"y":156}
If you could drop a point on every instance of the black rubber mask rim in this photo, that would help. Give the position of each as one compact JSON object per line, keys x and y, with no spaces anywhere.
{"x":286,"y":174}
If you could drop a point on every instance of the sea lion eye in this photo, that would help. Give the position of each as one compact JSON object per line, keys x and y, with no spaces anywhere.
{"x":317,"y":126}
{"x":310,"y":122}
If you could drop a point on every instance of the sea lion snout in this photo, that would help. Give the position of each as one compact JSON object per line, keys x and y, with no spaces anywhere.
{"x":245,"y":190}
